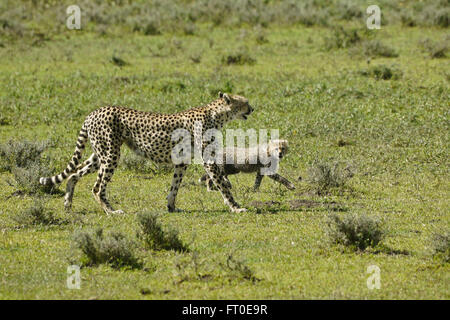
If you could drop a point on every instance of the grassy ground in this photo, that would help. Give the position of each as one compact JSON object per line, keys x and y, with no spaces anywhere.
{"x":393,"y":133}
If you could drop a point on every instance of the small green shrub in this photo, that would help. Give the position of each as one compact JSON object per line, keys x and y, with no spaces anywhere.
{"x":11,"y":28}
{"x":375,"y":48}
{"x":23,"y":159}
{"x":382,"y":72}
{"x":239,"y":57}
{"x":114,"y":249}
{"x":434,"y":49}
{"x":261,"y":38}
{"x":435,"y":15}
{"x":191,"y":266}
{"x":355,"y":231}
{"x":37,"y":214}
{"x":189,"y":29}
{"x":196,"y":57}
{"x":20,"y":154}
{"x":441,"y":245}
{"x":407,"y":18}
{"x":118,"y":61}
{"x":342,"y":38}
{"x":147,"y":25}
{"x":325,"y":176}
{"x":155,"y":237}
{"x":348,"y":10}
{"x":27,"y":179}
{"x":239,"y":269}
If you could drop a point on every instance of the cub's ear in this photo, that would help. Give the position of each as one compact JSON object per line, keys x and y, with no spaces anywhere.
{"x":226,"y":97}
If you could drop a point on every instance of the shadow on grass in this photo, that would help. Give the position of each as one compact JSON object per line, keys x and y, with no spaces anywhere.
{"x":296,"y":205}
{"x":383,"y":249}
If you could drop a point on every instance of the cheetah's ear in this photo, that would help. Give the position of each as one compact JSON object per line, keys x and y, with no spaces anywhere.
{"x":226,"y":97}
{"x":220,"y":94}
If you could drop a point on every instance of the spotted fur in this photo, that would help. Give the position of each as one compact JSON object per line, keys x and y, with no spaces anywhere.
{"x":276,"y":149}
{"x":148,"y":134}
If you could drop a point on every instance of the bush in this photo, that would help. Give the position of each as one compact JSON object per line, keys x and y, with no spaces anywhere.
{"x":20,"y":154}
{"x":383,"y":72}
{"x":355,"y":231}
{"x":434,"y":49}
{"x":325,"y":176}
{"x":196,"y":57}
{"x":155,"y":237}
{"x":342,"y":38}
{"x":441,"y":245}
{"x":118,"y":61}
{"x":348,"y":10}
{"x":114,"y":249}
{"x":261,"y":38}
{"x":239,"y":57}
{"x":189,"y":29}
{"x":375,"y":48}
{"x":37,"y":215}
{"x":23,"y":160}
{"x":239,"y":268}
{"x":149,"y":26}
{"x":408,"y":19}
{"x":27,"y":179}
{"x":436,"y":16}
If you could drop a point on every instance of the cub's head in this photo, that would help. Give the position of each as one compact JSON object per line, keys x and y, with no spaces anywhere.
{"x":278,"y":148}
{"x":239,"y":106}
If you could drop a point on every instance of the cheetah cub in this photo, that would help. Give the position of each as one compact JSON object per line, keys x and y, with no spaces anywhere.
{"x":276,"y":149}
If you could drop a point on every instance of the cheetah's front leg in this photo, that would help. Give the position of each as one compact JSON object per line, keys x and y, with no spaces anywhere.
{"x":216,"y":176}
{"x":180,"y":169}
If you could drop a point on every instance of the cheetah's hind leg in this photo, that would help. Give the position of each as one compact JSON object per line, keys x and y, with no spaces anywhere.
{"x":108,"y":164}
{"x":88,"y":166}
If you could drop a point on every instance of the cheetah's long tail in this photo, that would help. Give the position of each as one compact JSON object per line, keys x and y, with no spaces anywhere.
{"x":71,"y":167}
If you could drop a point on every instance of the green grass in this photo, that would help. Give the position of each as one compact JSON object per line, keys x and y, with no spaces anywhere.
{"x":393,"y":133}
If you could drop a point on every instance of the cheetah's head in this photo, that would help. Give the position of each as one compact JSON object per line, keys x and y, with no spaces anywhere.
{"x":278,"y":148}
{"x":240,"y":107}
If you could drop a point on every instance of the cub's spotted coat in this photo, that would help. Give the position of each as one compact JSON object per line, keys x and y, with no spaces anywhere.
{"x":148,"y":134}
{"x":275,"y":150}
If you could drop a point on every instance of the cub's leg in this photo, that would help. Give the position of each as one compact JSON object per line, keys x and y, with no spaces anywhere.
{"x":227,"y":182}
{"x":282,"y":180}
{"x":212,"y":187}
{"x":210,"y":184}
{"x":88,"y":166}
{"x":180,"y":169}
{"x":216,"y":175}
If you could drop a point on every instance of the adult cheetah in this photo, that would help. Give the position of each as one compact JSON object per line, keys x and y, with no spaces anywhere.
{"x":149,"y":134}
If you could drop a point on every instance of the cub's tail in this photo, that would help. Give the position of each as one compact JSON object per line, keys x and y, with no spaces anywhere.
{"x":71,"y":167}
